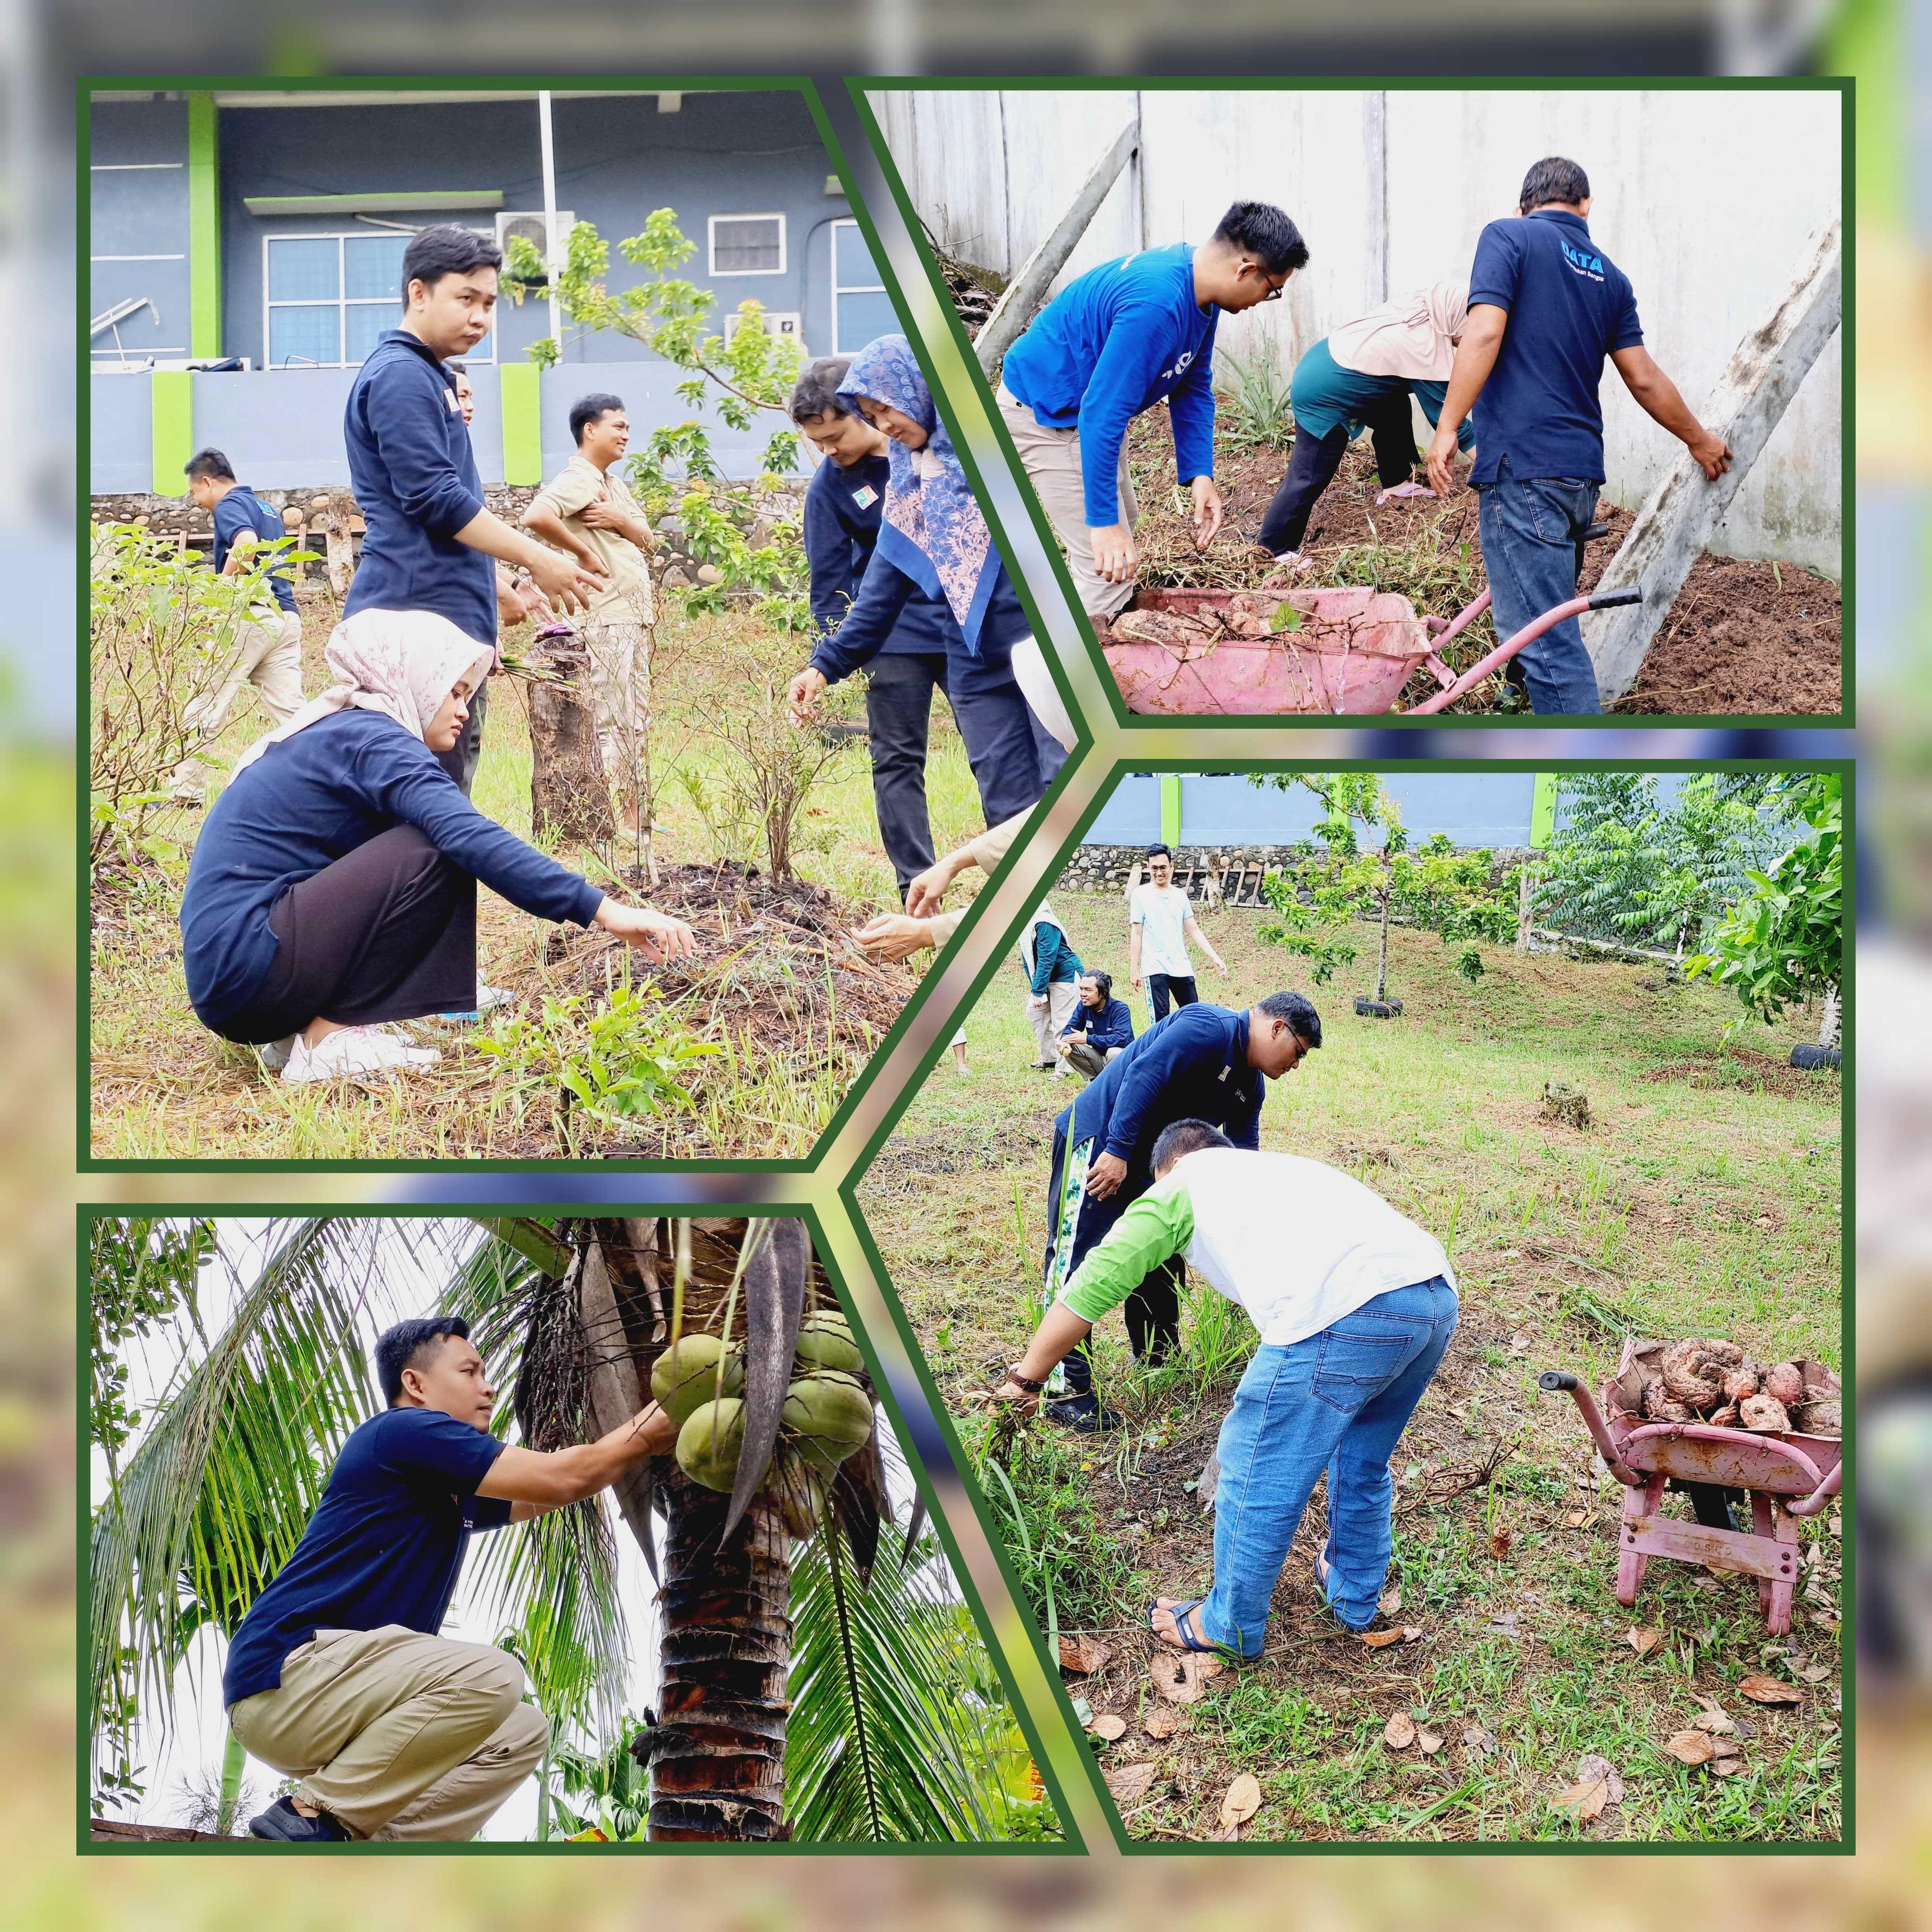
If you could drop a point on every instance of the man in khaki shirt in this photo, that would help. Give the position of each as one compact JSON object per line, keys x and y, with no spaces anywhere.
{"x":586,"y":510}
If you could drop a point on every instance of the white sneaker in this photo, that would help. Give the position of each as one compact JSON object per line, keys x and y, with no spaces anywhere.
{"x":274,"y":1053}
{"x":1294,"y":560}
{"x":354,"y":1053}
{"x":488,"y":1000}
{"x":1400,"y":490}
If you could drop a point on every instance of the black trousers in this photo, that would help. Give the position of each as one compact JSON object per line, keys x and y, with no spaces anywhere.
{"x":899,"y":717}
{"x":461,"y":760}
{"x":387,"y":932}
{"x":1163,"y":986}
{"x":1313,"y":461}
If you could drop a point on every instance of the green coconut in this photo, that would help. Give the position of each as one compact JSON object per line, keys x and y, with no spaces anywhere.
{"x":687,"y":1375}
{"x":711,"y":1441}
{"x":825,"y":1342}
{"x":828,"y":1417}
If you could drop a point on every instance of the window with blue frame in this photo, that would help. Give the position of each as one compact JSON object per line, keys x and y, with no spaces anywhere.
{"x":329,"y":298}
{"x":861,"y":311}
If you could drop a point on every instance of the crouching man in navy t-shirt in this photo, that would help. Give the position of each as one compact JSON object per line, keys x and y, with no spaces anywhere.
{"x":1545,"y":307}
{"x":338,"y":1676}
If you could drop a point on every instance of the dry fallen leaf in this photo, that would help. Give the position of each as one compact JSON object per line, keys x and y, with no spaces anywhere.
{"x":1108,"y":1726}
{"x":1815,"y":1673}
{"x":1180,"y":1676}
{"x":1763,"y":1690}
{"x":1380,"y":1640}
{"x":1163,"y":1720}
{"x":1716,"y":1720}
{"x":1084,"y":1655}
{"x":1399,"y":1733}
{"x":1644,"y":1638}
{"x":1591,"y":1767}
{"x":1577,"y":1518}
{"x":1390,"y":1601}
{"x":1692,"y":1748}
{"x":1727,"y":1757}
{"x":1411,"y":1633}
{"x":1129,"y":1783}
{"x":1480,"y":1742}
{"x":1586,"y":1799}
{"x":1431,"y":1741}
{"x":1500,"y":1538}
{"x":1239,"y":1802}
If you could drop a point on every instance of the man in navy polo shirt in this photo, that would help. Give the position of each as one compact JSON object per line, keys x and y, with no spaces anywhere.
{"x":1546,"y":308}
{"x":338,"y":1676}
{"x":269,"y":640}
{"x":1202,"y":1062}
{"x":429,"y":539}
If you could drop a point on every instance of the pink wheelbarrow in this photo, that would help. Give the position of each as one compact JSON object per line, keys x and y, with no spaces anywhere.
{"x":1195,"y":653}
{"x":1708,"y":1462}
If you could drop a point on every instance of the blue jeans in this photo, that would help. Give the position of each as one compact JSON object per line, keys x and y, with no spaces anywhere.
{"x":1530,"y":527}
{"x":1338,"y":1401}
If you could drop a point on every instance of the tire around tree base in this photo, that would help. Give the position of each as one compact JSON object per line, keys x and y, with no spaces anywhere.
{"x":1811,"y":1057}
{"x":1378,"y":1010}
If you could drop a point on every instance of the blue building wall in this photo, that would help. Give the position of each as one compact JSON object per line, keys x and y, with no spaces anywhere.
{"x":137,"y":240}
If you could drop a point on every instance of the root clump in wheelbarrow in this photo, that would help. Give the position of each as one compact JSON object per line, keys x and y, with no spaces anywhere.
{"x":1716,"y":1382}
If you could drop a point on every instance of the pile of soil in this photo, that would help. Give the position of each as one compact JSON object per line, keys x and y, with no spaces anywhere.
{"x":1744,"y":1067}
{"x":773,"y":963}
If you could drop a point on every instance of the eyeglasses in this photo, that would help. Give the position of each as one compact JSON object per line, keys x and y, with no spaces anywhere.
{"x":1276,"y":289}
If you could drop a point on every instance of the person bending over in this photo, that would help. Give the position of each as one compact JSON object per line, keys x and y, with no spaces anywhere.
{"x":1204,"y":1062}
{"x":429,"y":539}
{"x":338,"y":1677}
{"x":333,"y":888}
{"x":933,"y":538}
{"x":1101,"y":1027}
{"x":1160,"y":921}
{"x":1114,"y":343}
{"x":1354,"y":1306}
{"x":588,"y":511}
{"x":1362,"y":376}
{"x":1545,"y":307}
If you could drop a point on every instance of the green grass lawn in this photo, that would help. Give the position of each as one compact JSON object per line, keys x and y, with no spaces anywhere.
{"x":164,"y":1088}
{"x":1704,"y":1199}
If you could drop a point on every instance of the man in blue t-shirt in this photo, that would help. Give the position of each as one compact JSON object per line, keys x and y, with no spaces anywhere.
{"x":1546,"y":308}
{"x":1113,"y":342}
{"x":338,"y":1675}
{"x":428,"y":537}
{"x":269,"y":640}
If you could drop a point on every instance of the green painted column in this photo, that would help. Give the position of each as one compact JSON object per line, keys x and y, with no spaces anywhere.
{"x":173,"y":428}
{"x":1543,"y":811}
{"x":519,"y":384}
{"x":1170,"y":809}
{"x":204,"y":229}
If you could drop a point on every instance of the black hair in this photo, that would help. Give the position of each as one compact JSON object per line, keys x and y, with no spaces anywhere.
{"x":209,"y":462}
{"x":586,"y":410}
{"x":816,"y":392}
{"x":1183,"y":1137}
{"x":1259,"y":229}
{"x":1303,"y":1022}
{"x":1103,"y":983}
{"x":403,"y":1347}
{"x":1553,"y":179}
{"x":446,"y":249}
{"x":1159,"y":852}
{"x":457,"y":366}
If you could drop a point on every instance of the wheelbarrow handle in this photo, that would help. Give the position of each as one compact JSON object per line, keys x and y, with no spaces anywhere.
{"x":1560,"y":1381}
{"x":1810,"y":1505}
{"x":1609,"y":600}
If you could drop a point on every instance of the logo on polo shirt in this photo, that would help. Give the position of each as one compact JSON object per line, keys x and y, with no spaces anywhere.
{"x":1583,"y":261}
{"x":864,"y":495}
{"x":1173,"y":375}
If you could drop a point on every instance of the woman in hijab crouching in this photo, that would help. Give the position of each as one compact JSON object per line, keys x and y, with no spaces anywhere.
{"x":1360,"y":376}
{"x":333,"y":888}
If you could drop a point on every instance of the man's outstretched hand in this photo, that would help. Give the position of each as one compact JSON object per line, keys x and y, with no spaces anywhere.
{"x":801,"y":694}
{"x":658,"y":936}
{"x":1115,"y":559}
{"x":1442,"y":456}
{"x":1712,"y":454}
{"x":1210,"y":513}
{"x":1104,"y":1174}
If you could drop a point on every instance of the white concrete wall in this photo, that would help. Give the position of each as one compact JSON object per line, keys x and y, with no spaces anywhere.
{"x":1704,"y":198}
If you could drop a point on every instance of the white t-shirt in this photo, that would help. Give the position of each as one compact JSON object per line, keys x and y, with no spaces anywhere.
{"x":1298,"y":1243}
{"x":1162,"y":913}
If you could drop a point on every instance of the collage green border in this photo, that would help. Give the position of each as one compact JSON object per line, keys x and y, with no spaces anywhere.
{"x":1073,"y":1846}
{"x":848,"y":1191}
{"x":861,"y":87}
{"x":86,"y":1160}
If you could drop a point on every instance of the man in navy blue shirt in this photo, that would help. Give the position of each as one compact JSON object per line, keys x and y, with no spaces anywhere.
{"x":1113,"y":342}
{"x":428,"y":539}
{"x":338,"y":1675}
{"x":1101,"y":1029}
{"x":268,"y":641}
{"x":843,"y":504}
{"x":1545,"y":307}
{"x":1201,"y":1063}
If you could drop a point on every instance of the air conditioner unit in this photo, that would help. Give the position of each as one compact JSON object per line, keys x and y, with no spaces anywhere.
{"x":787,"y":326}
{"x":528,"y":222}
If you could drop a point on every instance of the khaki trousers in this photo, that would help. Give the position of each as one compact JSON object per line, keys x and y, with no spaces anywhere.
{"x":1091,"y":1060}
{"x":1051,"y":460}
{"x":1062,"y":997}
{"x":267,"y":655}
{"x":620,"y":695}
{"x":397,"y":1736}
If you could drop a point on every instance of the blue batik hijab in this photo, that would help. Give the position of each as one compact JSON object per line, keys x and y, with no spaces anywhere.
{"x":931,"y":529}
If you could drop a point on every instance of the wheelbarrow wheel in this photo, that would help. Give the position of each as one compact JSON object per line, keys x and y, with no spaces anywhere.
{"x":1711,"y":1503}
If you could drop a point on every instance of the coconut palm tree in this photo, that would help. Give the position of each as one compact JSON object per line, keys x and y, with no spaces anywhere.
{"x":865,"y":1711}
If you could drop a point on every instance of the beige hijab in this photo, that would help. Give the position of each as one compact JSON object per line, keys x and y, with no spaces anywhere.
{"x":1413,"y":337}
{"x":401,"y":663}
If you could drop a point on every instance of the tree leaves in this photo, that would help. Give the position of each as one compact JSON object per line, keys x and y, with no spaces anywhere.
{"x":1182,"y":1676}
{"x":1083,"y":1655}
{"x":1129,"y":1783}
{"x":1763,"y":1690}
{"x":1644,"y":1638}
{"x":1109,"y":1727}
{"x":1399,"y":1732}
{"x":1239,"y":1803}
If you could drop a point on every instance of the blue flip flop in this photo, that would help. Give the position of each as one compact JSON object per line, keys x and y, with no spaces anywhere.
{"x":1180,"y":1612}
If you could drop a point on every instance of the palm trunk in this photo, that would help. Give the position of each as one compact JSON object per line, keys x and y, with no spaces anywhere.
{"x":1381,"y":963}
{"x":724,"y":1652}
{"x":234,"y":1762}
{"x":1831,"y":1031}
